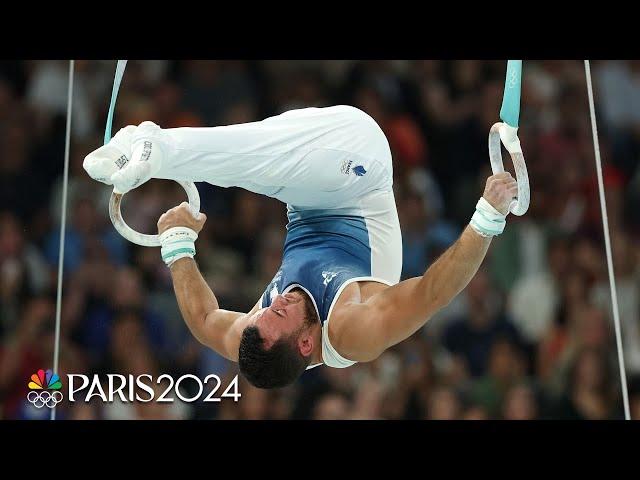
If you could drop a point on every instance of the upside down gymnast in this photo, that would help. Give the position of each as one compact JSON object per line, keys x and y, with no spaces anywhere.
{"x":336,"y":298}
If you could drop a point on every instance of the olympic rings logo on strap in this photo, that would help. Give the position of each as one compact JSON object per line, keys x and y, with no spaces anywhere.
{"x":44,"y":389}
{"x":513,"y":80}
{"x":40,"y":399}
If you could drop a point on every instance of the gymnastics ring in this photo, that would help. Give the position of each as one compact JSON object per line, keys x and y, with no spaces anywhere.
{"x":501,"y":133}
{"x":142,"y":239}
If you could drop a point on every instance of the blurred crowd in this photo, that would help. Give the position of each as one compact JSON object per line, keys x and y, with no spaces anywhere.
{"x":531,"y":337}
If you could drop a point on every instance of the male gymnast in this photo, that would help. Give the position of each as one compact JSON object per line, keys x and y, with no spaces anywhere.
{"x":336,"y":298}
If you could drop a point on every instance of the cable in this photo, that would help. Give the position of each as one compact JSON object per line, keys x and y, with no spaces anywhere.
{"x":63,"y":225}
{"x":607,"y":243}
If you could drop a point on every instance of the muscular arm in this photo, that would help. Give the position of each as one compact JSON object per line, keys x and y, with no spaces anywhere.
{"x":210,"y":325}
{"x":362,"y":331}
{"x":396,"y":313}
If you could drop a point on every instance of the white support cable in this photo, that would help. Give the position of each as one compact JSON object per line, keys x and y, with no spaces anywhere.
{"x":607,"y":243}
{"x":63,"y":225}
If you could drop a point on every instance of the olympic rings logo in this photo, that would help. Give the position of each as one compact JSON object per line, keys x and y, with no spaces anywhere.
{"x":40,"y":399}
{"x":513,"y":80}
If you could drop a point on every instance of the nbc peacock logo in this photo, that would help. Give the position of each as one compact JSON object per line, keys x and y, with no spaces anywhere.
{"x":44,"y":389}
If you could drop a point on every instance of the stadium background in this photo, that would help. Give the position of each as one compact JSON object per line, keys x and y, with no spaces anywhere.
{"x":531,"y":337}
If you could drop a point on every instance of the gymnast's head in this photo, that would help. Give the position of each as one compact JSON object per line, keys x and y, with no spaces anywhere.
{"x":276,"y":346}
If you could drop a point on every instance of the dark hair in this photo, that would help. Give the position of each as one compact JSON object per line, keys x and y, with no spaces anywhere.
{"x":279,"y":365}
{"x":276,"y":367}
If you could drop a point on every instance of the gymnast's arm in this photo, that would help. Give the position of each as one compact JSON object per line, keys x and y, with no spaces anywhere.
{"x":212,"y":326}
{"x":362,"y":331}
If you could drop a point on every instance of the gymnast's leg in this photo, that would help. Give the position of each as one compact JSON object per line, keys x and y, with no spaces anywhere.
{"x":312,"y":157}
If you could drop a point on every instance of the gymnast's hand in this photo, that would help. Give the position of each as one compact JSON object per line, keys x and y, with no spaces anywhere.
{"x":181,"y":216}
{"x":500,"y":190}
{"x":130,"y":158}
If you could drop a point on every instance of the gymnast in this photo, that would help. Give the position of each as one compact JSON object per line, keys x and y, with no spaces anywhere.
{"x":336,"y":298}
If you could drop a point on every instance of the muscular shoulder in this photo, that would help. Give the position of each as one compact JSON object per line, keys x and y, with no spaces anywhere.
{"x":348,"y":322}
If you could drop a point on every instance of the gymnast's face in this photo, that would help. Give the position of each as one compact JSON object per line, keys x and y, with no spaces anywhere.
{"x":284,"y":317}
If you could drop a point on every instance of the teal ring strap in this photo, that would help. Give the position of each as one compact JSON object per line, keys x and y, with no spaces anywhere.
{"x":510,"y":111}
{"x":114,"y":95}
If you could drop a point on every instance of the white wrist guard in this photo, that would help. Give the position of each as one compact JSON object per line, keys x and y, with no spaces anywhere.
{"x":487,"y":221}
{"x":177,"y":242}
